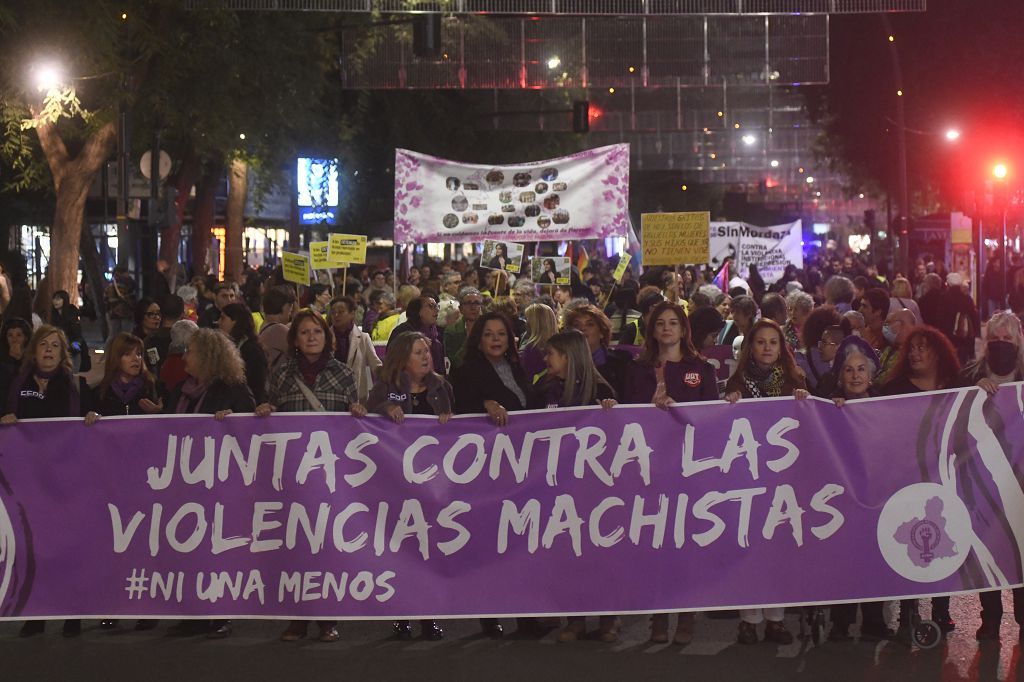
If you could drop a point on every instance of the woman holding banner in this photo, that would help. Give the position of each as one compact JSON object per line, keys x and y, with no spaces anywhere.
{"x":46,"y":387}
{"x":311,"y":380}
{"x":927,"y":362}
{"x":857,"y":366}
{"x":408,"y":384}
{"x":1001,"y":362}
{"x":214,"y":384}
{"x":491,"y":380}
{"x":670,"y":370}
{"x":572,"y":380}
{"x":765,"y":369}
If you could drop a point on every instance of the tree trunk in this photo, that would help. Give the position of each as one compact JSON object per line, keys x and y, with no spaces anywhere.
{"x":238,"y":185}
{"x":182,"y":181}
{"x":72,"y":178}
{"x":204,"y":212}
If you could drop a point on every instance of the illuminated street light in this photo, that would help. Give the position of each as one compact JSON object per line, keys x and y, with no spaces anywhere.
{"x":611,"y":91}
{"x":774,"y":163}
{"x":241,"y":136}
{"x":810,"y":180}
{"x":48,"y":76}
{"x":952,"y":134}
{"x":749,"y":140}
{"x":899,"y":93}
{"x":892,"y":39}
{"x":554,"y":63}
{"x":999,"y":170}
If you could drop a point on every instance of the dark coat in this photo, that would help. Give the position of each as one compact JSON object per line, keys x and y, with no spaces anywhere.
{"x":439,"y":395}
{"x":614,"y":369}
{"x":109,"y":405}
{"x":688,"y":381}
{"x":255,"y":359}
{"x":219,"y":396}
{"x":56,"y":402}
{"x":477,"y":380}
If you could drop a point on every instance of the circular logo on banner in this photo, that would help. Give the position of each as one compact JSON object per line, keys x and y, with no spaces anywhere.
{"x":924,"y":532}
{"x":692,"y":379}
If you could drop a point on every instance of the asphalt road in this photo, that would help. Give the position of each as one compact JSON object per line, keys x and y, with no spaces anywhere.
{"x":366,"y":652}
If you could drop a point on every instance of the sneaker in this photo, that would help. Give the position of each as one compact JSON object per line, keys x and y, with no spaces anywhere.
{"x":775,"y":631}
{"x":988,"y":631}
{"x":295,"y":631}
{"x":747,"y":633}
{"x":946,"y":623}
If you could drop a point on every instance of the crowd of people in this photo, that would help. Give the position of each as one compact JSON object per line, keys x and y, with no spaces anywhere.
{"x":459,"y":339}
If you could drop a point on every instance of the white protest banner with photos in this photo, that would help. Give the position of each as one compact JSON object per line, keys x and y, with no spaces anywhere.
{"x":582,"y":196}
{"x":771,"y":248}
{"x":506,"y":256}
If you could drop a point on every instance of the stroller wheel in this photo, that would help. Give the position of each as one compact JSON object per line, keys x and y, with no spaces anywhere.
{"x":927,"y":634}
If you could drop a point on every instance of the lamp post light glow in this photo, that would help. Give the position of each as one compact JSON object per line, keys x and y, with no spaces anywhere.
{"x":774,"y":163}
{"x":749,"y":139}
{"x":47,"y":76}
{"x":952,"y":135}
{"x":554,"y":62}
{"x":810,"y":180}
{"x":999,"y":171}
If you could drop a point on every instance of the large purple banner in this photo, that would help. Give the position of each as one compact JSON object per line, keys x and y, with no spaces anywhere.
{"x":634,"y":509}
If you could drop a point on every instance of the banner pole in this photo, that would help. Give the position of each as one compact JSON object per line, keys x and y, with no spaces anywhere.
{"x":344,"y":280}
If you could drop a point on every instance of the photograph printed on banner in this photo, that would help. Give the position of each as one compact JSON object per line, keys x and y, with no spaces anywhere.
{"x":506,"y":256}
{"x":548,"y":270}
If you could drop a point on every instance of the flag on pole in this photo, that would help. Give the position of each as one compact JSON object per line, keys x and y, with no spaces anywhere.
{"x":721,"y":280}
{"x":582,"y":260}
{"x":635,"y":249}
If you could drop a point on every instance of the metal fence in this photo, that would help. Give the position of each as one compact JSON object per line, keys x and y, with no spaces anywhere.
{"x":594,"y":52}
{"x":578,"y":7}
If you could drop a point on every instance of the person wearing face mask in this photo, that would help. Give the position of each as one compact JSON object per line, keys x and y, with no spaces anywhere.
{"x":896,"y":329}
{"x":856,"y":367}
{"x":1001,"y":362}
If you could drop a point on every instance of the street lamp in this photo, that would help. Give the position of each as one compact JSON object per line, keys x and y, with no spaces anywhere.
{"x":999,"y":171}
{"x":952,"y":135}
{"x":48,"y":76}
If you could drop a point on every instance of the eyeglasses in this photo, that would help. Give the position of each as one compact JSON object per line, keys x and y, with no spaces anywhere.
{"x":472,"y":303}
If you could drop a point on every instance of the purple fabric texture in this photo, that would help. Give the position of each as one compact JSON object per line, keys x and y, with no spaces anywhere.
{"x":633,"y":509}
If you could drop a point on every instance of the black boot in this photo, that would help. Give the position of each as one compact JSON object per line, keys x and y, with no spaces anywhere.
{"x":32,"y":627}
{"x":402,"y":630}
{"x":72,"y":628}
{"x":431,"y":630}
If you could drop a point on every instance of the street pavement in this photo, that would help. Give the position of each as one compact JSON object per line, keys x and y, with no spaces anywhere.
{"x":366,"y":652}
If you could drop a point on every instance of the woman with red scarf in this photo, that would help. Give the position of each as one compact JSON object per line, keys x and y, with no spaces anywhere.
{"x":311,"y":380}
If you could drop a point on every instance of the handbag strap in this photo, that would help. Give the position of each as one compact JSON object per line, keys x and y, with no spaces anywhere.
{"x":313,"y":401}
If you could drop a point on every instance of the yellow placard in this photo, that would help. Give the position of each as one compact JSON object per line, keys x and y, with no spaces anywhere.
{"x":620,"y":269}
{"x":320,"y":255}
{"x":295,"y":267}
{"x":675,"y":238}
{"x":347,"y":248}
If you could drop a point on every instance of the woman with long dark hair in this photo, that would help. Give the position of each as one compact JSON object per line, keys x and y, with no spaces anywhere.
{"x":66,"y":317}
{"x":421,"y":317}
{"x":147,"y":317}
{"x":237,"y":322}
{"x":765,"y":369}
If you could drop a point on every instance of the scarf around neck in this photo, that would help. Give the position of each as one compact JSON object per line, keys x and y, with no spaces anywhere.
{"x":191,"y":391}
{"x":127,"y":391}
{"x":764,"y":383}
{"x":311,"y":370}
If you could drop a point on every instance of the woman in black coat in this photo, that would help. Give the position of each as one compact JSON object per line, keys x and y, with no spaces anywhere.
{"x":215,"y":384}
{"x":236,"y":321}
{"x":127,"y":387}
{"x":46,"y":387}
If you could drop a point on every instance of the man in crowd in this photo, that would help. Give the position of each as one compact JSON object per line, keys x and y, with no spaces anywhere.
{"x":120,"y":300}
{"x":874,"y":306}
{"x":223,"y":294}
{"x":898,"y":326}
{"x":278,"y":309}
{"x":470,"y":306}
{"x":961,"y":323}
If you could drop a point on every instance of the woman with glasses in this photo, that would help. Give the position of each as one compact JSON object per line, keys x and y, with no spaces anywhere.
{"x":421,"y":314}
{"x":147,"y":318}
